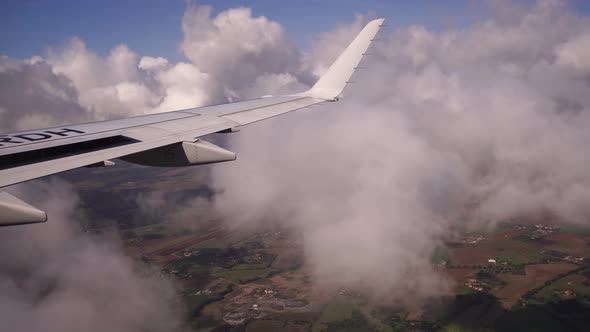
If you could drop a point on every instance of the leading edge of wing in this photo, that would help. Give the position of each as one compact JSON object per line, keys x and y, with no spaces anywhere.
{"x":145,"y":134}
{"x":132,"y":140}
{"x":327,"y":88}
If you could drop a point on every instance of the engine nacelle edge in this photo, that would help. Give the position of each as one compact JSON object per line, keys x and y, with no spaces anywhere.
{"x":182,"y":154}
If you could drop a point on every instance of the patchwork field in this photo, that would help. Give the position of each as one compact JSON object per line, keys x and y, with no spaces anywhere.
{"x":502,"y":249}
{"x":259,"y":282}
{"x":536,"y":276}
{"x":232,"y":281}
{"x":573,"y":244}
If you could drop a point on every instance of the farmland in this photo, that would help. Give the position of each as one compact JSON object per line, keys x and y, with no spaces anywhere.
{"x":259,"y":282}
{"x":517,"y":277}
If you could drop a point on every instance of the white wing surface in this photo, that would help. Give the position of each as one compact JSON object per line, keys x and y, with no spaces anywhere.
{"x":164,"y":139}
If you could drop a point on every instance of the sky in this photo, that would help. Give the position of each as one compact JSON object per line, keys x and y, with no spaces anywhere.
{"x":152,"y":27}
{"x":453,"y":127}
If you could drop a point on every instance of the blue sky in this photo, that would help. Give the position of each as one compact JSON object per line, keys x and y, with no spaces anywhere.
{"x":152,"y":27}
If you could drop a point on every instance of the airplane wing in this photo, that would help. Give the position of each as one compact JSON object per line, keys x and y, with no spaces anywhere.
{"x":163,"y":139}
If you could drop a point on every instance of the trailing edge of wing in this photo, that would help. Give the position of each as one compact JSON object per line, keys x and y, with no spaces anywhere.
{"x":331,"y":84}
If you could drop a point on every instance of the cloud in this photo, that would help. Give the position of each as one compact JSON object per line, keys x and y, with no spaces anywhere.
{"x":59,"y":278}
{"x":186,"y":86}
{"x":327,"y":46}
{"x":232,"y":56}
{"x":236,"y":48}
{"x":452,"y":127}
{"x":455,"y":127}
{"x":110,"y":87}
{"x":32,"y":96}
{"x":54,"y":277}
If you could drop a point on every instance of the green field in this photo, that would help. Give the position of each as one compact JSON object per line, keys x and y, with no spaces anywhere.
{"x":575,"y":229}
{"x":517,"y":258}
{"x":242,"y":276}
{"x":159,"y":231}
{"x":517,"y":252}
{"x":336,"y":311}
{"x":340,"y":315}
{"x":215,"y":243}
{"x":554,"y":292}
{"x":440,"y":255}
{"x":195,"y":303}
{"x":265,"y":326}
{"x":459,"y":328}
{"x":240,"y":267}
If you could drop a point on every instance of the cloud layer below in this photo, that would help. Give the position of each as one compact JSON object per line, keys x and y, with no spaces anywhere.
{"x":54,"y":277}
{"x":443,"y":130}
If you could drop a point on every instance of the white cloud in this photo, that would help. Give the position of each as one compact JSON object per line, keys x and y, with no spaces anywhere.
{"x":110,"y":87}
{"x":149,"y":63}
{"x":326,"y":47}
{"x":235,"y":48}
{"x":442,"y":128}
{"x":33,"y":96}
{"x":454,"y":126}
{"x":575,"y":53}
{"x":233,"y":56}
{"x":186,"y":86}
{"x":57,"y":278}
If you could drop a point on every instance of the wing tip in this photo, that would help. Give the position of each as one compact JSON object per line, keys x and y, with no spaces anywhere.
{"x":377,"y":23}
{"x":331,"y":84}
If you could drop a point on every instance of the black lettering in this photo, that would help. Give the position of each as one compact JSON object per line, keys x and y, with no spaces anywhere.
{"x":33,"y":136}
{"x":4,"y":139}
{"x":64,"y":132}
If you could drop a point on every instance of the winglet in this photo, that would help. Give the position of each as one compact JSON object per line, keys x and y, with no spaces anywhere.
{"x":331,"y":84}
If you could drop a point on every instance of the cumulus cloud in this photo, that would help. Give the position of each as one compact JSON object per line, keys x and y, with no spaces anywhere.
{"x":236,"y":48}
{"x":58,"y":278}
{"x":115,"y":86}
{"x":448,"y":127}
{"x":33,"y":96}
{"x":326,"y":46}
{"x":54,"y":277}
{"x":232,"y":56}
